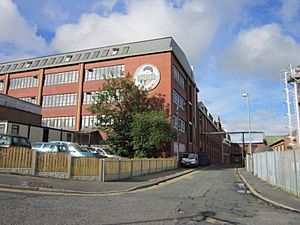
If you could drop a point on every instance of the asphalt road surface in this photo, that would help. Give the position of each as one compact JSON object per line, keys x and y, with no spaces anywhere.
{"x":203,"y":197}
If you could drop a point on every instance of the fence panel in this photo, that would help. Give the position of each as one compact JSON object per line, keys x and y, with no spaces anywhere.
{"x":271,"y":167}
{"x":297,"y":156}
{"x":111,"y":166}
{"x":52,"y":162}
{"x":279,"y":168}
{"x":136,"y":167}
{"x":15,"y":157}
{"x":259,"y":165}
{"x":145,"y":166}
{"x":85,"y":167}
{"x":152,"y":165}
{"x":159,"y":165}
{"x":125,"y":168}
{"x":264,"y":166}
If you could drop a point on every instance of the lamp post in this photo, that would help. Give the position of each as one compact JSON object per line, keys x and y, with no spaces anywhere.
{"x":246,"y":95}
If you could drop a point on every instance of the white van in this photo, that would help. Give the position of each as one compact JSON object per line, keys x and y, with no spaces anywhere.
{"x":189,"y":160}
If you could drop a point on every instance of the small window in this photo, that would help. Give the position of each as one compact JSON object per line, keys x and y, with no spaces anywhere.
{"x":14,"y":66}
{"x":86,"y":55}
{"x":43,"y":62}
{"x":27,"y":64}
{"x":35,"y":63}
{"x":68,"y":58}
{"x":15,"y":130}
{"x":77,"y":57}
{"x":51,"y":61}
{"x":115,"y":51}
{"x":7,"y":67}
{"x":105,"y":53}
{"x":59,"y":59}
{"x":21,"y":65}
{"x":2,"y":128}
{"x":95,"y":54}
{"x":125,"y":50}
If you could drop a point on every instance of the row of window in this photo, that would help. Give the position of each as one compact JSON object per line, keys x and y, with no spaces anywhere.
{"x":61,"y":78}
{"x":23,"y":82}
{"x":178,"y":77}
{"x":102,"y":73}
{"x":88,"y":121}
{"x":60,"y":100}
{"x":69,"y":99}
{"x":178,"y":100}
{"x":69,"y":122}
{"x":90,"y":97}
{"x":59,"y":122}
{"x":179,"y":124}
{"x":29,"y":99}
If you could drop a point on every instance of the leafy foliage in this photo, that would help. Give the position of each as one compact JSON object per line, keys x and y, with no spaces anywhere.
{"x":150,"y":131}
{"x":115,"y":105}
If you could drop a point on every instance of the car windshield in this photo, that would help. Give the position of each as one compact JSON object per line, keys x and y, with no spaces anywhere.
{"x":77,"y":148}
{"x":36,"y":145}
{"x":192,"y":157}
{"x":185,"y":155}
{"x":49,"y":146}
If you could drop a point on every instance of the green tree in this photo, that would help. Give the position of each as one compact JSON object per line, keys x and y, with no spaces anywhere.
{"x":151,"y":132}
{"x":114,"y":106}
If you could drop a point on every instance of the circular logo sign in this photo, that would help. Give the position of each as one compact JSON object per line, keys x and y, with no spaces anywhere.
{"x":147,"y":76}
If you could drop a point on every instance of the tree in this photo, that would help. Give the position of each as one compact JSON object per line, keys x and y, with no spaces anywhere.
{"x":114,"y":106}
{"x":150,"y":132}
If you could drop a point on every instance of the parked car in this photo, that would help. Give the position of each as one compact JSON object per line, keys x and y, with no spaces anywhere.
{"x":189,"y":160}
{"x":49,"y":147}
{"x":107,"y":153}
{"x":74,"y":149}
{"x":94,"y":152}
{"x":8,"y":141}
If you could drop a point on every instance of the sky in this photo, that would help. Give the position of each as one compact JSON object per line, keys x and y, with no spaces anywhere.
{"x":234,"y":46}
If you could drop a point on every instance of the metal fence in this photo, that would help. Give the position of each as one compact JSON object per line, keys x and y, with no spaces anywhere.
{"x":280,"y":169}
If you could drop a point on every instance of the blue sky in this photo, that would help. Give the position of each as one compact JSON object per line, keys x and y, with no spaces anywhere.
{"x":235,"y":46}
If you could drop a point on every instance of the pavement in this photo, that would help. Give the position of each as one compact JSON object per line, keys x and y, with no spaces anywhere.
{"x":269,"y":193}
{"x":257,"y":187}
{"x":44,"y":184}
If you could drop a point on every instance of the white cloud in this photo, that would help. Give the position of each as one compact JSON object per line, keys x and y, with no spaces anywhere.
{"x":15,"y":31}
{"x":193,"y":25}
{"x":261,"y":51}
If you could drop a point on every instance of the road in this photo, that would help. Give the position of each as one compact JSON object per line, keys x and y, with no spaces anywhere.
{"x":203,"y":197}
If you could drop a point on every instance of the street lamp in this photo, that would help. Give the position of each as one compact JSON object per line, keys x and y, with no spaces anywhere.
{"x":246,"y":95}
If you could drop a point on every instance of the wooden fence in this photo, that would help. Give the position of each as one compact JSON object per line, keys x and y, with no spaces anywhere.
{"x":61,"y":165}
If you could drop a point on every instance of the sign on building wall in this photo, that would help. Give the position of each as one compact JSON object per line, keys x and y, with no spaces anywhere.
{"x":147,"y":76}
